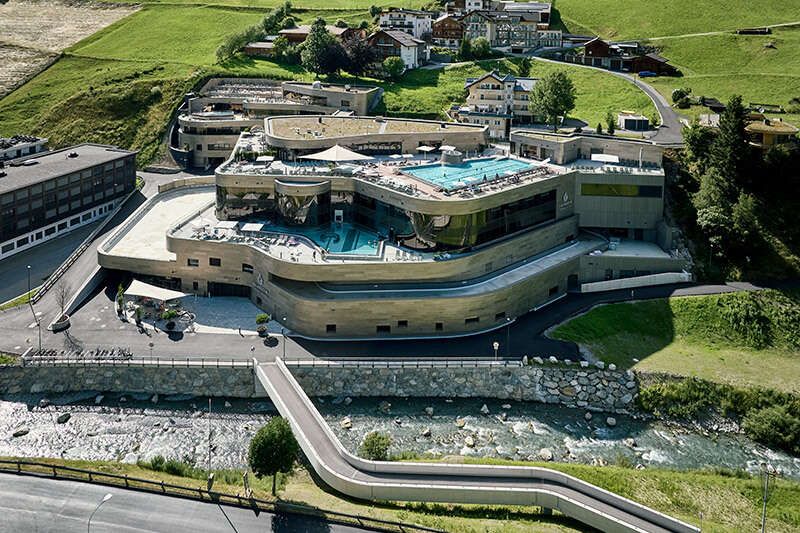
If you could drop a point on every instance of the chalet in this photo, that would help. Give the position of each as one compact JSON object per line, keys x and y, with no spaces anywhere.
{"x":769,"y":132}
{"x":418,"y":24}
{"x":396,"y":43}
{"x":628,"y":57}
{"x":517,"y":32}
{"x":299,"y":34}
{"x":447,"y":31}
{"x":498,"y":101}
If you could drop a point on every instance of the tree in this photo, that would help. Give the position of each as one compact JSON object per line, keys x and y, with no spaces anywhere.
{"x":481,"y":49}
{"x":730,"y":149}
{"x":465,"y":49}
{"x":360,"y":55}
{"x":321,"y":52}
{"x":62,"y":291}
{"x":525,"y":67}
{"x":394,"y":67}
{"x":279,"y":47}
{"x":272,"y":450}
{"x":341,"y":23}
{"x":680,"y":94}
{"x":364,"y":25}
{"x":610,"y":125}
{"x":553,"y":97}
{"x":376,"y":446}
{"x":599,"y":129}
{"x":374,"y":11}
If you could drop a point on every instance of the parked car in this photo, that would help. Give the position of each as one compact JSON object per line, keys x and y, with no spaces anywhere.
{"x":647,"y":74}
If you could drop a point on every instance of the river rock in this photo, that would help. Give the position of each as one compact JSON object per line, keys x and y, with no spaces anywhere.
{"x":154,"y":399}
{"x":384,"y":406}
{"x":426,"y":432}
{"x":44,"y":402}
{"x":584,"y":364}
{"x":503,"y":416}
{"x":587,"y":416}
{"x":538,"y":360}
{"x":611,"y":421}
{"x":612,"y":367}
{"x":524,"y":360}
{"x":348,"y":400}
{"x":599,"y":364}
{"x":346,"y":423}
{"x":552,"y":359}
{"x":630,"y":442}
{"x":98,"y":399}
{"x":21,"y":432}
{"x":469,"y":442}
{"x":484,"y":409}
{"x":228,"y":404}
{"x":429,"y":411}
{"x":460,"y":422}
{"x":63,"y":418}
{"x":506,"y":406}
{"x":545,"y":454}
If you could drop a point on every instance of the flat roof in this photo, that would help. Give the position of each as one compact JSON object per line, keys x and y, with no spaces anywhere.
{"x":327,"y":127}
{"x":49,"y":165}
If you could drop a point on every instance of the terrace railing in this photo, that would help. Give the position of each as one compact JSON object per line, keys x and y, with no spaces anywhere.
{"x":416,"y":363}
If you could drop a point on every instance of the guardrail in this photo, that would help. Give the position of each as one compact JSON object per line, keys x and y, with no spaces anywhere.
{"x":201,"y":494}
{"x":63,"y":267}
{"x":422,"y":363}
{"x":43,"y":360}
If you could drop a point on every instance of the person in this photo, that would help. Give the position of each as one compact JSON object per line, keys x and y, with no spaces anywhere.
{"x":252,"y":349}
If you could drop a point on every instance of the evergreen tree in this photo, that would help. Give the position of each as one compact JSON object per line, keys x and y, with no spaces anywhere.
{"x":465,"y":49}
{"x":610,"y":125}
{"x":525,"y":67}
{"x":360,"y":56}
{"x":315,"y":49}
{"x":730,"y":150}
{"x":552,"y":97}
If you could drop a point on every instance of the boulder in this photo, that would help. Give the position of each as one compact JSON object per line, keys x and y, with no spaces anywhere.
{"x":612,"y":367}
{"x":228,"y":404}
{"x":599,"y":364}
{"x":545,"y":454}
{"x":348,"y":400}
{"x":506,"y":406}
{"x":384,"y":406}
{"x":584,"y":364}
{"x":524,"y":360}
{"x":484,"y":409}
{"x":640,"y":466}
{"x":98,"y":399}
{"x":44,"y":402}
{"x":630,"y":442}
{"x":154,"y":399}
{"x":538,"y":360}
{"x":398,"y":421}
{"x":346,"y":423}
{"x":469,"y":442}
{"x":429,"y":411}
{"x":552,"y":359}
{"x":587,"y":416}
{"x":460,"y":422}
{"x":503,"y":416}
{"x":611,"y":421}
{"x":63,"y":418}
{"x":426,"y":432}
{"x":21,"y":432}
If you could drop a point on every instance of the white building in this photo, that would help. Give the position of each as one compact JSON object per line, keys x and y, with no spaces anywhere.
{"x":21,"y":146}
{"x":418,"y":24}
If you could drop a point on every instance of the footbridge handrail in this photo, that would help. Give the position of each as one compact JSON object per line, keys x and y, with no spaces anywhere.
{"x":402,"y":363}
{"x":463,"y":483}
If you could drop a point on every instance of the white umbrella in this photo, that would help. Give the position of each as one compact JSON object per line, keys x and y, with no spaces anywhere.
{"x":395,"y":156}
{"x":446,"y":148}
{"x":337,"y":153}
{"x":425,"y":148}
{"x":408,"y":156}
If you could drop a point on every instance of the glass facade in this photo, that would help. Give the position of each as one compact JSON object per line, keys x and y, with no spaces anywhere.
{"x":621,"y":189}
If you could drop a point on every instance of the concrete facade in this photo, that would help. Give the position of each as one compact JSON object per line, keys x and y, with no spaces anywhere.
{"x":563,"y":148}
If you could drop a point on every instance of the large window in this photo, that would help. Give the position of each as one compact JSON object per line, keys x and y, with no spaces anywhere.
{"x":621,"y":189}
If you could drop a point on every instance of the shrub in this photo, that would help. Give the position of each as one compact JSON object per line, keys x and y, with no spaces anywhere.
{"x":262,"y":318}
{"x":481,"y":49}
{"x":746,"y":316}
{"x":169,"y":314}
{"x":680,"y":94}
{"x":262,"y":329}
{"x":272,"y":450}
{"x":376,"y":446}
{"x":393,"y":67}
{"x":683,"y":103}
{"x":774,"y":426}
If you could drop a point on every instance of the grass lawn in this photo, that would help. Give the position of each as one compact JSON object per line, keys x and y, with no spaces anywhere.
{"x":333,"y":5}
{"x":19,"y":300}
{"x":636,"y":19}
{"x":691,"y":336}
{"x":724,"y":65}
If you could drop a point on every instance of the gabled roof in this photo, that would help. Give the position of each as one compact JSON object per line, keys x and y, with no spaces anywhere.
{"x":417,"y":12}
{"x":305,"y":29}
{"x":400,"y":37}
{"x":520,"y":84}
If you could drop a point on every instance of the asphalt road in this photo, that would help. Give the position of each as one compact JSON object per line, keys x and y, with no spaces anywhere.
{"x":31,"y":504}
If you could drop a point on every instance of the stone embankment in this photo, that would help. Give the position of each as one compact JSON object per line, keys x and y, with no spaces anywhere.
{"x":594,"y":387}
{"x":235,"y":382}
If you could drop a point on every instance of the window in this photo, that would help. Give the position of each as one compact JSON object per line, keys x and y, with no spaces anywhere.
{"x":192,"y":262}
{"x":62,"y":226}
{"x":472,"y":320}
{"x":330,"y":328}
{"x":247,"y":268}
{"x":383,"y":328}
{"x":553,"y":291}
{"x":23,"y":241}
{"x":402,"y":323}
{"x":215,"y":261}
{"x":199,"y":147}
{"x":74,"y":221}
{"x":500,"y":316}
{"x":7,"y":248}
{"x":439,"y":326}
{"x":621,"y":189}
{"x":195,"y":286}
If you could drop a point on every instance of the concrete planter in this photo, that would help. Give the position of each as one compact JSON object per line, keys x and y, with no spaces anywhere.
{"x":61,"y":324}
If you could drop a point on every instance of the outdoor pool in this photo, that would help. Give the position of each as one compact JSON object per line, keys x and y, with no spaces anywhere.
{"x":467,"y":173}
{"x":336,"y":238}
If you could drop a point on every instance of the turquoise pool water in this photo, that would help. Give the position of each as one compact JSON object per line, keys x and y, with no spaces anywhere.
{"x":467,"y":173}
{"x":336,"y":238}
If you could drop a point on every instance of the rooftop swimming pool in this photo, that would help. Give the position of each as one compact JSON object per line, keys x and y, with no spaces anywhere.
{"x":344,"y":239}
{"x":471,"y":172}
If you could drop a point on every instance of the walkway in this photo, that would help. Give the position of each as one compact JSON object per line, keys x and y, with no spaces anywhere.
{"x":46,"y":505}
{"x":500,"y":485}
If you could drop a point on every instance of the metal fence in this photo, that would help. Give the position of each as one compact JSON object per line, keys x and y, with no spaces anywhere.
{"x":31,"y":358}
{"x":52,"y":471}
{"x":416,"y":363}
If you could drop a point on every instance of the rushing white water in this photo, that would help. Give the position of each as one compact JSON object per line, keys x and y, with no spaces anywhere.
{"x":178,"y":427}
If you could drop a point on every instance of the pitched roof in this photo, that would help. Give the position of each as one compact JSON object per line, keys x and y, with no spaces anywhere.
{"x":520,"y":84}
{"x":399,"y":36}
{"x":305,"y":29}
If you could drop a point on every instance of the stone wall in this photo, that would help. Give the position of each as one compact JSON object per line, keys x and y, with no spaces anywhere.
{"x":238,"y":382}
{"x":573,"y":385}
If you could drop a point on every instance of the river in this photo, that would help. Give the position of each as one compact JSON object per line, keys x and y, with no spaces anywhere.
{"x":131,"y":427}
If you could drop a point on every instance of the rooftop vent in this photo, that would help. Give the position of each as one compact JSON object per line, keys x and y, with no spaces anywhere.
{"x":72,"y":155}
{"x":30,"y":162}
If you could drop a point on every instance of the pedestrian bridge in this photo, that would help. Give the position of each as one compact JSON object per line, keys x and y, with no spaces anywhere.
{"x":450,"y":483}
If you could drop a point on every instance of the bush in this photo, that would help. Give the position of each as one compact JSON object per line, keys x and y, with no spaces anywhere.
{"x":169,"y":314}
{"x":262,"y":330}
{"x":683,"y":103}
{"x":394,"y":67}
{"x":481,"y":49}
{"x":774,"y":426}
{"x":680,"y":94}
{"x":262,"y":318}
{"x":376,"y":446}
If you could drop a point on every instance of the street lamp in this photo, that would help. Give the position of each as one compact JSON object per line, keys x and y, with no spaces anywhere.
{"x":508,"y":337}
{"x":104,"y":500}
{"x":767,"y":472}
{"x":283,"y":334}
{"x":496,"y":346}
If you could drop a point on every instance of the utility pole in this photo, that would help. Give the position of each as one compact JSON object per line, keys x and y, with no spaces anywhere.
{"x":767,"y":472}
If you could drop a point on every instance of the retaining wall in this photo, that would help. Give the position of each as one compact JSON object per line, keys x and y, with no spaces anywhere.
{"x":238,"y":382}
{"x":571,"y":385}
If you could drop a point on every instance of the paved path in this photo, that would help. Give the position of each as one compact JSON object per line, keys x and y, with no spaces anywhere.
{"x":31,"y":504}
{"x":450,"y":483}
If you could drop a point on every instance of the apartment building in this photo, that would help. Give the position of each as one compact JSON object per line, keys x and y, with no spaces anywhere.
{"x":448,"y":31}
{"x":396,"y":43}
{"x":497,"y":101}
{"x":52,"y":193}
{"x":516,"y":32}
{"x":21,"y":146}
{"x":418,"y":24}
